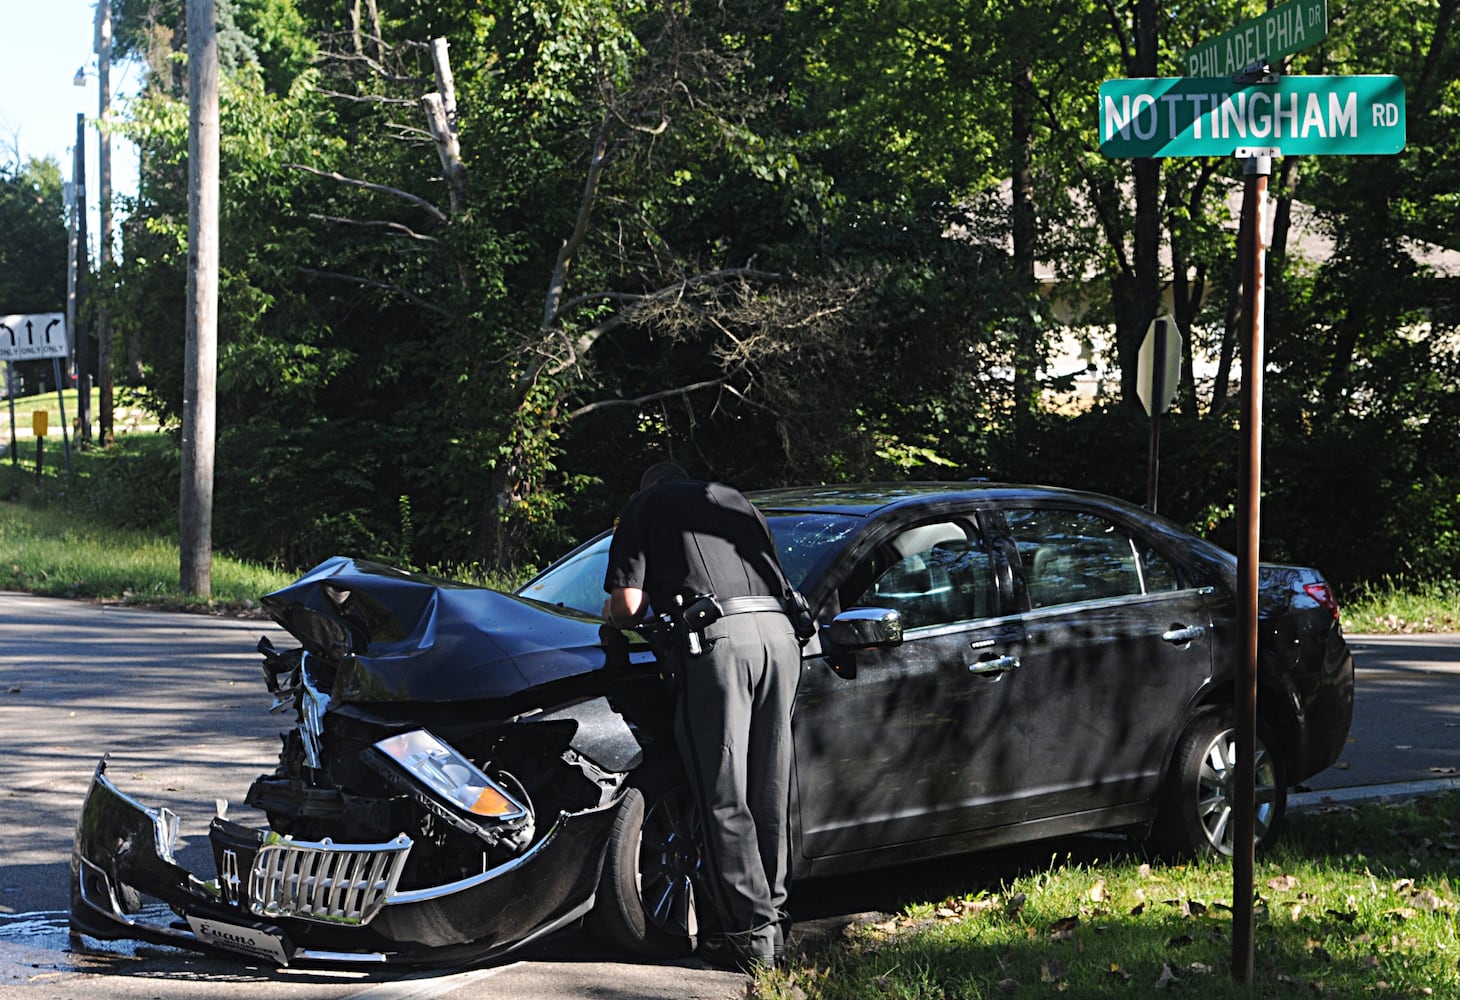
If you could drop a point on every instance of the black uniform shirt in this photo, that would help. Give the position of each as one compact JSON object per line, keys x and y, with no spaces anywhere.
{"x":688,"y":537}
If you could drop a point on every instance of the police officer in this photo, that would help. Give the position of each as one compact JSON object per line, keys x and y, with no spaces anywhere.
{"x":679,"y":540}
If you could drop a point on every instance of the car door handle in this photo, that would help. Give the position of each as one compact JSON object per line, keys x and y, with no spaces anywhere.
{"x":1187,"y":634}
{"x":995,"y":665}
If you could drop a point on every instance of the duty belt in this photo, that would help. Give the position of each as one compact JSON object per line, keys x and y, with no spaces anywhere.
{"x":743,"y":605}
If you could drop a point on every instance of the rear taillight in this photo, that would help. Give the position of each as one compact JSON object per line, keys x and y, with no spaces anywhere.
{"x":1323,"y":594}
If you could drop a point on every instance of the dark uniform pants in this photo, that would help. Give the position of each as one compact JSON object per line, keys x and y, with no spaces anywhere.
{"x":734,"y":731}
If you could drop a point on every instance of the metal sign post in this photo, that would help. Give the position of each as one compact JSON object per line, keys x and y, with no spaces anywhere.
{"x":1158,"y":373}
{"x":10,"y":395}
{"x":1246,"y":111}
{"x":1257,"y":166}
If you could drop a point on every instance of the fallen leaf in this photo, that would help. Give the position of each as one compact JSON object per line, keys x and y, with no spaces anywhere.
{"x":1009,"y":985}
{"x":1116,"y":970}
{"x":1144,"y":871}
{"x":1200,"y":967}
{"x":1015,"y":905}
{"x":1402,"y":913}
{"x":1179,"y":940}
{"x":1282,"y":883}
{"x":1401,"y":884}
{"x":1097,"y":891}
{"x":1064,"y":928}
{"x":1051,"y":970}
{"x":1347,"y":918}
{"x":1138,"y":909}
{"x":1426,"y":900}
{"x":1442,"y":770}
{"x":946,"y":913}
{"x":1166,"y":978}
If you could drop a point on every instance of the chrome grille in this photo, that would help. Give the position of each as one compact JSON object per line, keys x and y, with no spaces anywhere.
{"x":324,"y":881}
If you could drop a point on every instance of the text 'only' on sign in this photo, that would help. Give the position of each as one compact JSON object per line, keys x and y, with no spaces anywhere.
{"x":1212,"y":116}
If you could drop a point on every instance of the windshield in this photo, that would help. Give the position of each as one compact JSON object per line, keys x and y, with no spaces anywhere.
{"x":807,"y":542}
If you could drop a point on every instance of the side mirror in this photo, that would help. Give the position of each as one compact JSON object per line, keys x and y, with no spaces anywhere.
{"x":863,"y":628}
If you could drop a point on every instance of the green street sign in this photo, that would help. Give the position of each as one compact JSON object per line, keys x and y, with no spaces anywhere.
{"x":1282,"y":31}
{"x":1295,"y":115}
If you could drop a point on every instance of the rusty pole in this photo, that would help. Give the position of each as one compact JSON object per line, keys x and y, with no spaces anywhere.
{"x":1256,"y":167}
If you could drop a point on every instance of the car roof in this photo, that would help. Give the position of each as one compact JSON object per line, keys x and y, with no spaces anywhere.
{"x":869,"y":499}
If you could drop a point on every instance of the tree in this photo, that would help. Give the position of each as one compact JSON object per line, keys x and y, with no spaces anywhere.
{"x":32,"y":238}
{"x":33,"y":246}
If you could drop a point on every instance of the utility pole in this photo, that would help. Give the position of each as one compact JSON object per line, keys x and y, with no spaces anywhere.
{"x":200,"y":375}
{"x":83,"y":267}
{"x":104,"y":199}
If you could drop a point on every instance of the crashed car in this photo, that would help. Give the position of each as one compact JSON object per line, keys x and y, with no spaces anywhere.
{"x":472,"y":770}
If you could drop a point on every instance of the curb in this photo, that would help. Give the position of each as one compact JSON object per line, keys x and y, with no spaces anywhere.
{"x":1372,"y":793}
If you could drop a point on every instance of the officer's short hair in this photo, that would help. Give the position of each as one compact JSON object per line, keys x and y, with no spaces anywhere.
{"x":661,"y":472}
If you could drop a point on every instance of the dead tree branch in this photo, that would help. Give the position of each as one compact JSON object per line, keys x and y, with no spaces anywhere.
{"x":353,"y":279}
{"x":376,"y":223}
{"x":416,"y":200}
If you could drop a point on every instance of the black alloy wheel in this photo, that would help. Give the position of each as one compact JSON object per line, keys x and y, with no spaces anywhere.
{"x":651,"y":873}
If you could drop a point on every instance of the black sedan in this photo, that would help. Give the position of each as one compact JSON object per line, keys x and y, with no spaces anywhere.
{"x":472,"y":770}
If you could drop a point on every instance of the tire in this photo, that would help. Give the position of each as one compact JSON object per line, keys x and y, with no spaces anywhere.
{"x":651,"y":873}
{"x":1194,"y":817}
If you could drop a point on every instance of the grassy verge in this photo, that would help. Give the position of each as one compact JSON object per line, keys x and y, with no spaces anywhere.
{"x":106,"y":529}
{"x":1397,"y":605}
{"x":1356,"y":902}
{"x":49,"y":551}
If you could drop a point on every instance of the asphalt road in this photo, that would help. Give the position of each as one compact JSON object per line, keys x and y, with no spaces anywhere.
{"x":1406,"y":728}
{"x":178,"y":703}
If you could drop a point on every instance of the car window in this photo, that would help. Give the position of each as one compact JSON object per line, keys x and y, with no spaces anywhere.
{"x":1157,"y":572}
{"x":1071,"y":556}
{"x":575,"y":581}
{"x":931,"y":574}
{"x":805,"y":542}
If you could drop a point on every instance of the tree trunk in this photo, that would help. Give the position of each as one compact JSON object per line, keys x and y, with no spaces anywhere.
{"x":1022,"y":224}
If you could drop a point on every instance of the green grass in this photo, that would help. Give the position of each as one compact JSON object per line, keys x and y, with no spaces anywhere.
{"x":1397,"y":605}
{"x":1355,"y":902}
{"x":106,"y":529}
{"x":53,"y":552}
{"x":125,"y":417}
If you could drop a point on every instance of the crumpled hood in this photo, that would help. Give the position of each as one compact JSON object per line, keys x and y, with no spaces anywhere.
{"x":401,"y":636}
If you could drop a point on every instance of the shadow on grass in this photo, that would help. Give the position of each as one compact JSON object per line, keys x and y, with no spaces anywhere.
{"x":1355,"y":901}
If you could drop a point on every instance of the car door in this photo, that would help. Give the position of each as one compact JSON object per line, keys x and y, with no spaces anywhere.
{"x":907,"y":742}
{"x":1115,"y":644}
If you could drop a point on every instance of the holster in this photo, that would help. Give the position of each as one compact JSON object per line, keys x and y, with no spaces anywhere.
{"x":667,"y":640}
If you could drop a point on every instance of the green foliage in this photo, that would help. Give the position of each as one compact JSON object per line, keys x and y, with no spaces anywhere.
{"x":1397,"y":604}
{"x":33,"y":238}
{"x":65,"y":541}
{"x":379,"y":342}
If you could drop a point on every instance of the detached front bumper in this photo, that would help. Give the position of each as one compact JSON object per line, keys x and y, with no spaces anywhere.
{"x":299,"y":902}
